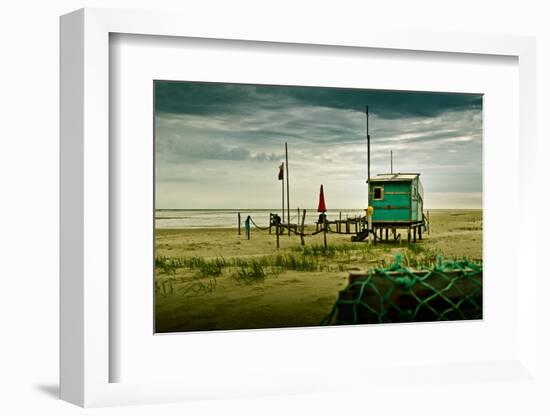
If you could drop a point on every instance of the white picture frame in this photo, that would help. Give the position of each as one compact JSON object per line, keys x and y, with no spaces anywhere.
{"x":85,"y":210}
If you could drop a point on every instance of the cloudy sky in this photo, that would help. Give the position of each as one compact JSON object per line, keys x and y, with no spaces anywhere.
{"x":220,"y":145}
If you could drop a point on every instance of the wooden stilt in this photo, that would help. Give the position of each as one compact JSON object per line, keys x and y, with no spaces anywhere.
{"x":414,"y":234}
{"x":420,"y":233}
{"x":386,"y":234}
{"x":409,"y":234}
{"x":277,"y":232}
{"x":302,"y":228}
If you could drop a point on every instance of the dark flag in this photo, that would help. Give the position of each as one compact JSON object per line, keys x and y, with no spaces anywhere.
{"x":282,"y":171}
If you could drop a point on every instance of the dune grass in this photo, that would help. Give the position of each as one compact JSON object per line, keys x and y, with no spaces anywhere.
{"x":310,"y":258}
{"x":214,"y":267}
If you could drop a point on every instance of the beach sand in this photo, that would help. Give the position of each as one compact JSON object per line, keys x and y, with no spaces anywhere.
{"x":187,"y":300}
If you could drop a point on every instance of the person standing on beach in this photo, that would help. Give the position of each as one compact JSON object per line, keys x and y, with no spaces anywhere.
{"x":247,"y":227}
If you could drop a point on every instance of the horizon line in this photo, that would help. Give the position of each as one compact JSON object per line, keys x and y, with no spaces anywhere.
{"x":293,"y":209}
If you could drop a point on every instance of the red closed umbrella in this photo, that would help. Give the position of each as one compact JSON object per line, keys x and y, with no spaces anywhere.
{"x":322,"y":206}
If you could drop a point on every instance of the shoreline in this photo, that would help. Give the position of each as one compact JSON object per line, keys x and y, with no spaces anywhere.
{"x":264,"y":222}
{"x":308,"y":209}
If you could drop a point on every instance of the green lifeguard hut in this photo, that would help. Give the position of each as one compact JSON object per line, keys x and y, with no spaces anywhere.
{"x":397,"y":200}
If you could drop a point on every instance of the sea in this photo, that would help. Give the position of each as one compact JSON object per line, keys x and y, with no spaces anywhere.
{"x":227,"y":218}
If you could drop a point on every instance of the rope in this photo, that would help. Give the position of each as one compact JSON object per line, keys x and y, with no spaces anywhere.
{"x":450,"y":290}
{"x":257,"y":226}
{"x":281,"y":225}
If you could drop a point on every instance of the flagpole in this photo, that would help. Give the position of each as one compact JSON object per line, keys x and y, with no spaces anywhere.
{"x":287,"y":190}
{"x":283,"y":199}
{"x":322,"y":209}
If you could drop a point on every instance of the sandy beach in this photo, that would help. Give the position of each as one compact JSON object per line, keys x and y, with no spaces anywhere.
{"x":215,"y":279}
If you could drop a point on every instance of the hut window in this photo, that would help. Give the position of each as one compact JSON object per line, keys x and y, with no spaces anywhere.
{"x":378,"y":193}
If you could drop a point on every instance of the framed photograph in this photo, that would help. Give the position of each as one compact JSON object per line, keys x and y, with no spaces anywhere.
{"x":245,"y":215}
{"x":233,"y":248}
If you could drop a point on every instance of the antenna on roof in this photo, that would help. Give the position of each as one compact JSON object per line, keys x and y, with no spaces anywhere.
{"x":391,"y":162}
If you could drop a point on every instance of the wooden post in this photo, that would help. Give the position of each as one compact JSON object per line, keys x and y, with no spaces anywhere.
{"x":302,"y":228}
{"x":420,"y":233}
{"x":429,"y":222}
{"x":239,"y":222}
{"x":325,"y":230}
{"x":277,"y":232}
{"x":386,"y":234}
{"x":414,"y":234}
{"x":270,"y":221}
{"x":409,"y":234}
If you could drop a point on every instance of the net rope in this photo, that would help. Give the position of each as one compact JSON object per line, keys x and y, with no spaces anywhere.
{"x":449,"y":290}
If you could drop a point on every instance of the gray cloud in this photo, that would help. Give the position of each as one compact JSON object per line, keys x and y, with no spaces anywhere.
{"x":217,"y":99}
{"x":233,"y":146}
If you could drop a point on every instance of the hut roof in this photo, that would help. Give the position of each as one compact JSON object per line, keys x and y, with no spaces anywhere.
{"x":395,"y":177}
